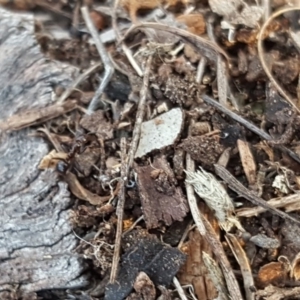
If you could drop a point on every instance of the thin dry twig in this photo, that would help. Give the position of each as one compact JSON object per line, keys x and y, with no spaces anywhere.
{"x":207,"y":231}
{"x":248,"y":125}
{"x":119,"y":213}
{"x":290,"y":203}
{"x":241,"y":190}
{"x":77,"y":81}
{"x":266,"y":8}
{"x":126,"y":50}
{"x":221,"y":70}
{"x":262,"y":59}
{"x":200,"y":69}
{"x":218,"y":251}
{"x":179,"y":289}
{"x":216,"y":276}
{"x":243,"y":261}
{"x":108,"y":67}
{"x":139,"y":115}
{"x":209,"y":49}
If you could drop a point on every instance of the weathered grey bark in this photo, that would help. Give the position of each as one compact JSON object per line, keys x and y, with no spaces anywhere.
{"x":36,"y":239}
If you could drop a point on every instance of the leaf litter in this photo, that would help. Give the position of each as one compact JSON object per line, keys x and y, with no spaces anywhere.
{"x":167,"y":88}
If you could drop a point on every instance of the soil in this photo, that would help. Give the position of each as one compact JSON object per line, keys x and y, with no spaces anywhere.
{"x":149,"y":149}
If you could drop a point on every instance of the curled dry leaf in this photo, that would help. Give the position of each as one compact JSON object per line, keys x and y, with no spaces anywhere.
{"x":80,"y":192}
{"x":51,"y":159}
{"x":215,"y":196}
{"x":274,"y":273}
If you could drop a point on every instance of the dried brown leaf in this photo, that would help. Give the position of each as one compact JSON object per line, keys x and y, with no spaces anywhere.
{"x":274,"y":273}
{"x":80,"y":192}
{"x":133,"y":6}
{"x":195,"y":23}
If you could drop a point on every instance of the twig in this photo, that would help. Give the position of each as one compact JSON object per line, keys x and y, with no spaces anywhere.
{"x":248,"y":125}
{"x":290,"y":203}
{"x":221,"y":69}
{"x":114,"y":20}
{"x":266,"y":5}
{"x":126,"y":50}
{"x":201,"y":69}
{"x":243,"y":261}
{"x":179,"y":289}
{"x":262,"y":59}
{"x":134,"y":224}
{"x":232,"y":284}
{"x":216,"y":276}
{"x":108,"y":68}
{"x":241,"y":190}
{"x":139,"y":115}
{"x":119,"y":213}
{"x":207,"y":231}
{"x":77,"y":81}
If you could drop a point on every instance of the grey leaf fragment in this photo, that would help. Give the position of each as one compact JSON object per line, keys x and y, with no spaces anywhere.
{"x":160,"y":132}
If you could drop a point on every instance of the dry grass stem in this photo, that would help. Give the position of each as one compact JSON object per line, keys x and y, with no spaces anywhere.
{"x":119,"y":213}
{"x":126,"y":50}
{"x":139,"y":115}
{"x":248,"y":125}
{"x":201,"y":69}
{"x":108,"y":67}
{"x":216,"y":276}
{"x":179,"y":289}
{"x":245,"y":267}
{"x":262,"y":59}
{"x":289,"y":203}
{"x":241,"y":190}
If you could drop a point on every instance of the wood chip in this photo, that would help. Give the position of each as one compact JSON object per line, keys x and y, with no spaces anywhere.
{"x":161,"y":199}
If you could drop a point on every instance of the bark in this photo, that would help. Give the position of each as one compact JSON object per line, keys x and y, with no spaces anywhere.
{"x":36,"y":239}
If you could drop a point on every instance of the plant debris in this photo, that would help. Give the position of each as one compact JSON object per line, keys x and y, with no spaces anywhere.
{"x":176,"y":134}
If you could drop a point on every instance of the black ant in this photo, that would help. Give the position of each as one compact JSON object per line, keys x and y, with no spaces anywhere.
{"x":79,"y":145}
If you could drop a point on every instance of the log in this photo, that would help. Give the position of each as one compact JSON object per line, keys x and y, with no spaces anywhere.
{"x":36,"y":238}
